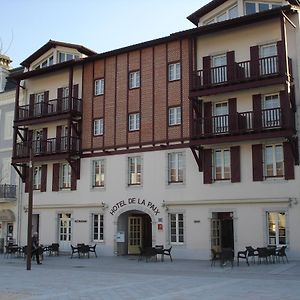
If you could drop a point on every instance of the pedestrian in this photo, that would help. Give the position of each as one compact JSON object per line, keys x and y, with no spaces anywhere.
{"x":36,"y":248}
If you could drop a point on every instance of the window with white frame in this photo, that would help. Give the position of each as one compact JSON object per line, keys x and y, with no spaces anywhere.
{"x":99,"y":87}
{"x":62,"y":56}
{"x":38,"y":104}
{"x":219,"y":68}
{"x":276,"y":228}
{"x":230,"y":13}
{"x":271,"y":111}
{"x":98,"y":127}
{"x":8,"y":125}
{"x":174,"y":72}
{"x":98,"y":227}
{"x":273,"y":160}
{"x":176,"y":228}
{"x":255,"y":7}
{"x":174,"y":115}
{"x":134,"y":79}
{"x":175,"y":167}
{"x":98,"y":173}
{"x":268,"y":63}
{"x":134,"y":121}
{"x":45,"y":63}
{"x":222,"y":169}
{"x":221,"y":114}
{"x":65,"y":176}
{"x":37,"y":173}
{"x":134,"y":170}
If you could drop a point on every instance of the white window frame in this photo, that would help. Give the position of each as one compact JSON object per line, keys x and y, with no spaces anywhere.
{"x":100,"y":165}
{"x":270,"y":4}
{"x":174,"y":115}
{"x":216,"y":75}
{"x":221,"y":124}
{"x":174,"y":71}
{"x":269,"y":118}
{"x":99,"y":87}
{"x":65,"y":176}
{"x":176,"y":162}
{"x":177,"y":228}
{"x":225,"y":13}
{"x":274,"y":160}
{"x":135,"y":170}
{"x":276,"y":228}
{"x":98,"y":127}
{"x":49,"y":61}
{"x":66,"y":56}
{"x":134,"y":79}
{"x":37,"y":175}
{"x":222,"y":165}
{"x":8,"y":125}
{"x":99,"y":229}
{"x":134,"y":121}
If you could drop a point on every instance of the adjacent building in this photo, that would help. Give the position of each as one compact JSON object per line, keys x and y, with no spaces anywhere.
{"x":187,"y":141}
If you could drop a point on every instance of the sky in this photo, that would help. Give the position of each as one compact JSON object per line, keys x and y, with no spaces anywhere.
{"x":100,"y":25}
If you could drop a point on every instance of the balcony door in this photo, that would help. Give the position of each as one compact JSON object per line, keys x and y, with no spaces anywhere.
{"x":37,"y":141}
{"x":65,"y":99}
{"x":271,"y":111}
{"x":219,"y":69}
{"x":268,"y":59}
{"x":220,"y":117}
{"x":65,"y":231}
{"x":38,"y":104}
{"x":64,"y":137}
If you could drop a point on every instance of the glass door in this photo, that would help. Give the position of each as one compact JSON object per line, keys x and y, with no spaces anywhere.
{"x":134,"y":234}
{"x":268,"y":59}
{"x":216,"y":234}
{"x":219,"y":68}
{"x":220,"y":120}
{"x":64,"y":231}
{"x":271,"y":111}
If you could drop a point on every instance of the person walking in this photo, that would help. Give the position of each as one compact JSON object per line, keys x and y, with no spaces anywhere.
{"x":36,"y":248}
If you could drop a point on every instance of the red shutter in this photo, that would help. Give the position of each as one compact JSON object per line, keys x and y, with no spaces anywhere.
{"x":46,"y":100}
{"x":257,"y":162}
{"x":235,"y":164}
{"x":26,"y":179}
{"x":44,"y":141}
{"x":59,"y":99}
{"x":58,"y":138}
{"x":284,"y":106}
{"x":207,"y":118}
{"x":257,"y":113}
{"x":206,"y":70}
{"x":31,"y":104}
{"x":55,"y":178}
{"x":230,"y":65}
{"x":281,"y":57}
{"x":233,"y":116}
{"x":207,"y":164}
{"x":74,"y":177}
{"x":254,"y":61}
{"x":288,"y":161}
{"x":44,"y":178}
{"x":75,"y":90}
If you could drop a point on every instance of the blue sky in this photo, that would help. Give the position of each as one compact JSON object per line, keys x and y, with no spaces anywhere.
{"x":100,"y":25}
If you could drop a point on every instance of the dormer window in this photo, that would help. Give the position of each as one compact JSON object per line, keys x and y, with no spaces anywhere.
{"x":62,"y":56}
{"x":255,"y":7}
{"x":45,"y":63}
{"x":230,"y":13}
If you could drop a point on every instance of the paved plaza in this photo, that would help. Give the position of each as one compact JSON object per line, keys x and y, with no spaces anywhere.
{"x":127,"y":278}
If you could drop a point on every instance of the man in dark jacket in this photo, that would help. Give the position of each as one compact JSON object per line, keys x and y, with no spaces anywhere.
{"x":36,"y":248}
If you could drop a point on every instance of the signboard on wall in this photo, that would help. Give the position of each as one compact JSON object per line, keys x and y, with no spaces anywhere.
{"x":120,"y":238}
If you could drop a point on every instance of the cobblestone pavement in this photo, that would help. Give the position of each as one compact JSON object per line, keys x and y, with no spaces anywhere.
{"x":127,"y":278}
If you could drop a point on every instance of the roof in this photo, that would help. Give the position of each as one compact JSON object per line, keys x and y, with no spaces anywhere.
{"x":194,"y":17}
{"x":53,"y":44}
{"x":10,"y":83}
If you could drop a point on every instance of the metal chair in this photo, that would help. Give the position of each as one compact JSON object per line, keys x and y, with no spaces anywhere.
{"x":252,"y":253}
{"x":281,"y":254}
{"x":227,"y":254}
{"x":214,"y":257}
{"x":242,"y":255}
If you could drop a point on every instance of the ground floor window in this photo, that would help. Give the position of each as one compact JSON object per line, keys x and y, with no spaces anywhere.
{"x":276,"y":222}
{"x":98,"y":227}
{"x":176,"y":228}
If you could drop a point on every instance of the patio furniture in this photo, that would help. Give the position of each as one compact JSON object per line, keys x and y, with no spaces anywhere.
{"x":242,"y":255}
{"x":167,"y":252}
{"x":159,"y":251}
{"x":53,"y":249}
{"x":271,"y":253}
{"x":92,"y":249}
{"x":280,"y":253}
{"x":252,"y":253}
{"x":84,"y":250}
{"x":147,"y":253}
{"x":263,"y":254}
{"x":74,"y":251}
{"x":214,"y":257}
{"x":227,"y":255}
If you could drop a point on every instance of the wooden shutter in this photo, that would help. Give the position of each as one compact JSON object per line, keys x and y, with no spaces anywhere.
{"x":44,"y":178}
{"x":254,"y":61}
{"x":46,"y":100}
{"x":233,"y":116}
{"x":58,"y":138}
{"x":284,"y":106}
{"x":235,"y":164}
{"x":207,"y":166}
{"x":74,"y":177}
{"x":31,"y":104}
{"x":44,"y":141}
{"x":257,"y":162}
{"x":55,"y":178}
{"x":59,"y":99}
{"x":206,"y":70}
{"x":288,"y":161}
{"x":230,"y":57}
{"x":257,"y":113}
{"x":207,"y":118}
{"x":281,"y":57}
{"x":75,"y":90}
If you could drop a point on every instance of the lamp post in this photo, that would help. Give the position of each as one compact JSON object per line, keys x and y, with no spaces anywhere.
{"x":30,"y":200}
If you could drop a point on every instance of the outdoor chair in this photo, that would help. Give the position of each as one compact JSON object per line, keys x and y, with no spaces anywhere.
{"x":263,"y":254}
{"x":84,"y":250}
{"x":271,"y":253}
{"x":227,"y":255}
{"x":92,"y":249}
{"x":54,"y":249}
{"x":159,"y":251}
{"x":252,"y":253}
{"x":168,"y":252}
{"x":147,"y":252}
{"x":214,"y":257}
{"x":242,"y":255}
{"x":74,"y":251}
{"x":281,"y":254}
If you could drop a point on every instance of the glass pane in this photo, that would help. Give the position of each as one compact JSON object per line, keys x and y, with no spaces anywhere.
{"x":263,"y":6}
{"x":233,"y":12}
{"x":250,"y":8}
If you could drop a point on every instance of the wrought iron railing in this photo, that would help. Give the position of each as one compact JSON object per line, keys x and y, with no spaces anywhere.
{"x":8,"y":191}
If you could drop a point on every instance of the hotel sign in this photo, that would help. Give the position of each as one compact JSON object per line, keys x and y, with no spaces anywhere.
{"x":131,"y":201}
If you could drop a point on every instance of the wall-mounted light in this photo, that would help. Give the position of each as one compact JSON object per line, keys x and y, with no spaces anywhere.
{"x":103,"y":205}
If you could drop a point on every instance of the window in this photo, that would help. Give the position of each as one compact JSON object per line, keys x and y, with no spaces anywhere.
{"x":175,"y":167}
{"x":98,"y":173}
{"x":222,"y":170}
{"x":228,"y":14}
{"x":174,"y":71}
{"x":273,"y":158}
{"x":62,"y":57}
{"x":37,"y":178}
{"x":45,"y":63}
{"x":98,"y":228}
{"x":99,"y":87}
{"x":271,"y":111}
{"x":5,"y":171}
{"x":176,"y":228}
{"x":134,"y":122}
{"x":65,"y":176}
{"x":219,"y":68}
{"x":134,"y":79}
{"x":9,"y":123}
{"x":255,"y":7}
{"x":268,"y":59}
{"x":38,"y":104}
{"x":174,"y":116}
{"x":37,"y":136}
{"x":276,"y":222}
{"x":220,"y":119}
{"x":98,"y":126}
{"x":134,"y":170}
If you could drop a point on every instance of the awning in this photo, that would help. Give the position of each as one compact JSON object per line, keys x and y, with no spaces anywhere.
{"x":6,"y":215}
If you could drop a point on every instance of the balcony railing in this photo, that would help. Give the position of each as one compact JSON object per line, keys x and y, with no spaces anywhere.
{"x":48,"y":147}
{"x":8,"y":191}
{"x":50,"y":108}
{"x":238,"y":72}
{"x":244,"y":122}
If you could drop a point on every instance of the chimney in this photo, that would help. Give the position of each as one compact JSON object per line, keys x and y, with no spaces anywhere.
{"x":4,"y":70}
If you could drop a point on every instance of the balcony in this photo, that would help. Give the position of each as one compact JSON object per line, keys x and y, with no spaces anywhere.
{"x":225,"y":127}
{"x":7,"y":192}
{"x":48,"y":148}
{"x":52,"y":109}
{"x":230,"y":77}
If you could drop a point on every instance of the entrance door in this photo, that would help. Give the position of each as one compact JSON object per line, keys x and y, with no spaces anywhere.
{"x":64,"y":231}
{"x":134,"y":234}
{"x":216,"y":234}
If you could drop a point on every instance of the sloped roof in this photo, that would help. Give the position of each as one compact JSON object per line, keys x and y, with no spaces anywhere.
{"x":53,"y":44}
